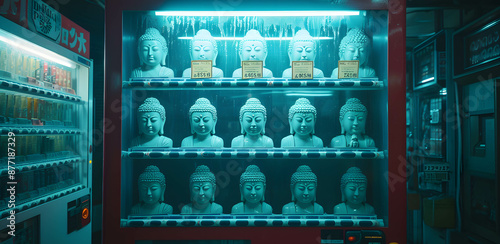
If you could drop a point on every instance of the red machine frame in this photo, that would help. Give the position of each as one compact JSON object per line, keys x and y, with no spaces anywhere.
{"x":113,"y":233}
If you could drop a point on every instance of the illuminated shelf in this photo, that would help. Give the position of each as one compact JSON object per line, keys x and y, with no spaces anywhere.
{"x":229,"y":153}
{"x":38,"y":200}
{"x":276,"y":220}
{"x":173,"y":83}
{"x":38,"y":130}
{"x":39,"y":164}
{"x":30,"y":89}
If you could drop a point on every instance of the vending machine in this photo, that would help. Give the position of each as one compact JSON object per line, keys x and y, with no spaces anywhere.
{"x":45,"y":126}
{"x":255,"y":122}
{"x":477,"y":74}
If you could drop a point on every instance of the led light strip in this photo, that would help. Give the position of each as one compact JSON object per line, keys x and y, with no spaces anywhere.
{"x":257,"y":13}
{"x":266,"y":38}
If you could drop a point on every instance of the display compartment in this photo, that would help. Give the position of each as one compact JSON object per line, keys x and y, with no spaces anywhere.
{"x":44,"y":122}
{"x":162,"y":88}
{"x":277,"y":153}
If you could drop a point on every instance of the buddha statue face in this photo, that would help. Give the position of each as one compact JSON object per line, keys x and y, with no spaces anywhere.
{"x":353,"y":117}
{"x":202,"y":192}
{"x":355,"y":193}
{"x":203,"y":47}
{"x":152,"y":48}
{"x":253,"y":123}
{"x":202,"y":123}
{"x":353,"y":186}
{"x":304,"y":192}
{"x":355,"y":46}
{"x":354,"y":123}
{"x":303,"y":185}
{"x":150,"y":192}
{"x":302,"y":117}
{"x":253,"y":47}
{"x":151,"y":117}
{"x":151,"y":185}
{"x":253,"y":117}
{"x":253,"y":192}
{"x":303,"y":123}
{"x":203,"y":117}
{"x":302,"y":47}
{"x":252,"y":185}
{"x":202,"y":185}
{"x":150,"y":123}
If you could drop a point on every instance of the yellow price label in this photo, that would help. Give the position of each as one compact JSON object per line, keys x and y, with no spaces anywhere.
{"x":201,"y":69}
{"x":348,"y":69}
{"x":252,"y":69}
{"x":302,"y":70}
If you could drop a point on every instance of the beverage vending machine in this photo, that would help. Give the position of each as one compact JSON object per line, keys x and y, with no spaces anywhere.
{"x":45,"y":126}
{"x":255,"y":122}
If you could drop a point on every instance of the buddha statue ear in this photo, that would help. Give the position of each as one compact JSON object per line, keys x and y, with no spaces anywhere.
{"x":213,"y":194}
{"x":161,"y":128}
{"x":264,"y":128}
{"x":162,"y":197}
{"x":265,"y":56}
{"x":343,"y":195}
{"x":191,"y":124}
{"x":242,"y":129}
{"x":293,"y":195}
{"x":213,"y":129}
{"x":216,"y":52}
{"x":290,"y":56}
{"x":164,"y":58}
{"x":264,"y":194}
{"x":291,"y":127}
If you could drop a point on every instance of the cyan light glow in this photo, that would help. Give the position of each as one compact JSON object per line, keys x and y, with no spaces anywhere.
{"x":427,"y":80}
{"x":33,"y":49}
{"x":267,"y":38}
{"x":257,"y":13}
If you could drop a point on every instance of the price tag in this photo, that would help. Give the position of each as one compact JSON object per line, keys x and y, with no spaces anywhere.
{"x":302,"y":70}
{"x":201,"y":69}
{"x":251,"y":69}
{"x":348,"y":69}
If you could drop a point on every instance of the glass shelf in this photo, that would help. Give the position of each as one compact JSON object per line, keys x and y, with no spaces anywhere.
{"x":361,"y":83}
{"x":38,"y":201}
{"x":40,"y":164}
{"x":175,"y":220}
{"x":30,"y":89}
{"x":230,"y":153}
{"x":38,"y":130}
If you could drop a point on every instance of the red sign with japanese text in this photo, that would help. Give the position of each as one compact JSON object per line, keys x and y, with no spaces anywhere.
{"x":74,"y":37}
{"x":15,"y":11}
{"x":69,"y":34}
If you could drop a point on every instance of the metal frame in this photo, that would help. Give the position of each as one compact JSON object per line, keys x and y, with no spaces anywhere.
{"x":113,"y":233}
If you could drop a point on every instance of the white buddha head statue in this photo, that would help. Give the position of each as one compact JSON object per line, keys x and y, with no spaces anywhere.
{"x":355,"y":46}
{"x":253,"y":117}
{"x":202,"y":117}
{"x":151,"y":117}
{"x":151,"y":185}
{"x":252,"y":185}
{"x":353,"y":117}
{"x":253,"y":47}
{"x":203,"y":47}
{"x":302,"y":47}
{"x":152,"y":48}
{"x":202,"y":185}
{"x":303,"y":185}
{"x":302,"y":117}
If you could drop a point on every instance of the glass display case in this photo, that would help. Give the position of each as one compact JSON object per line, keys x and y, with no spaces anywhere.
{"x":222,"y":144}
{"x":45,"y":130}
